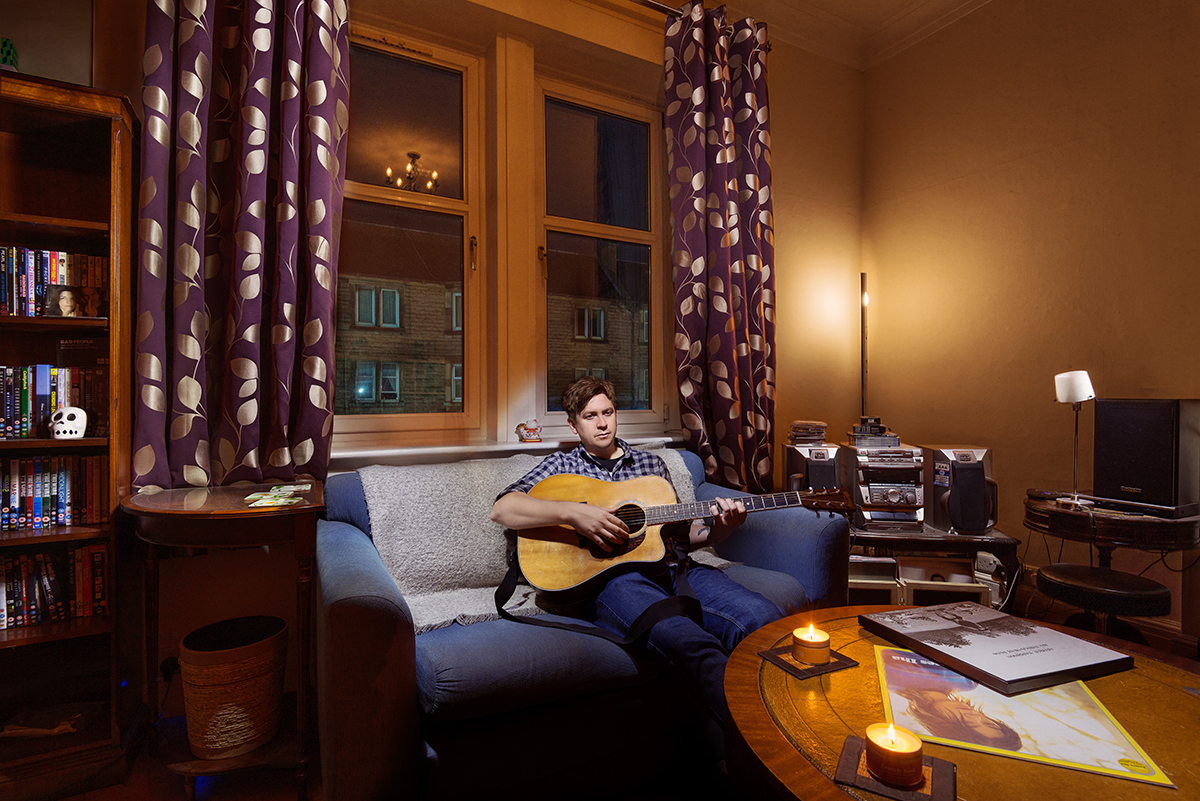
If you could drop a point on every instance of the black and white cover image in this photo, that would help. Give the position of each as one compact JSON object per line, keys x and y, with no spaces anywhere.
{"x":1007,"y":653}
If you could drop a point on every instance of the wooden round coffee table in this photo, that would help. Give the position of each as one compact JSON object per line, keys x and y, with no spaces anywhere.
{"x":784,"y":735}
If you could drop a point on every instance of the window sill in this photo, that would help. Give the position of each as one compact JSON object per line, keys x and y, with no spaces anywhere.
{"x":346,"y":459}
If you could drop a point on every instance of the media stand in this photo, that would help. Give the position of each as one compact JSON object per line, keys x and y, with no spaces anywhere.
{"x":930,"y":540}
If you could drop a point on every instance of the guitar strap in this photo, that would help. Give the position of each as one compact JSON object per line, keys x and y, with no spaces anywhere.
{"x":683,"y":603}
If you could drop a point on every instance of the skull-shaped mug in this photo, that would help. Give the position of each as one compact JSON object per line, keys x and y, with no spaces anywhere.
{"x":69,"y":422}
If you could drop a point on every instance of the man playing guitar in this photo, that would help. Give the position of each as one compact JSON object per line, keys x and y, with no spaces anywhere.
{"x":698,"y":649}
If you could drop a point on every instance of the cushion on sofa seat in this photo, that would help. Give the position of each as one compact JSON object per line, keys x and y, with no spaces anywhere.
{"x":498,"y":666}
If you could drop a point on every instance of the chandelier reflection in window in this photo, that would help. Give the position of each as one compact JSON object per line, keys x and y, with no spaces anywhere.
{"x":413,"y":177}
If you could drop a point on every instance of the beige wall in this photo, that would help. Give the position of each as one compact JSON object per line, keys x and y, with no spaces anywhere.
{"x":816,"y":111}
{"x":1030,"y":206}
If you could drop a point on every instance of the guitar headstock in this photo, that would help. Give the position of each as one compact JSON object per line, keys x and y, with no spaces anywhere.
{"x":833,"y":499}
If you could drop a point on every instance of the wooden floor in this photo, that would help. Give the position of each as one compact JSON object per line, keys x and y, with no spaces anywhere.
{"x":150,"y":781}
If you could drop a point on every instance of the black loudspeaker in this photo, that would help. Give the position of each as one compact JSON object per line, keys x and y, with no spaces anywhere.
{"x":969,"y":502}
{"x":812,"y":467}
{"x":1148,"y":452}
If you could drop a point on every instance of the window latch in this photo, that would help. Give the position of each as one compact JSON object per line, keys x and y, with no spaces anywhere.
{"x":474,"y":245}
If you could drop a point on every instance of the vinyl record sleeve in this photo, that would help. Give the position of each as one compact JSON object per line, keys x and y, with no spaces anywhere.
{"x":1006,"y":653}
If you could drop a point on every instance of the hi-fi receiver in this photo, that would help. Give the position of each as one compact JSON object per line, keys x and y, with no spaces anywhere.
{"x":887,"y":485}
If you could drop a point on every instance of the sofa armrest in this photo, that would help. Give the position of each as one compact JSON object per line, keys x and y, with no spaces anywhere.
{"x":366,"y":672}
{"x":814,"y":547}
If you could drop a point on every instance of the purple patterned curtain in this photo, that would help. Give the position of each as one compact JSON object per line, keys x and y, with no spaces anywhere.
{"x":719,"y":160}
{"x":243,"y":146}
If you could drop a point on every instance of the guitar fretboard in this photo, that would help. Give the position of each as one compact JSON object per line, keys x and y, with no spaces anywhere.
{"x":674,"y":513}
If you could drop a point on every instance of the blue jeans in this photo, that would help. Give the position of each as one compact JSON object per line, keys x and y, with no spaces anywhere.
{"x":698,"y":652}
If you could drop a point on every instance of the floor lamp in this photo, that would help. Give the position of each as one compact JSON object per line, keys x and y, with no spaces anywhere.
{"x":1074,"y":387}
{"x":863,"y":320}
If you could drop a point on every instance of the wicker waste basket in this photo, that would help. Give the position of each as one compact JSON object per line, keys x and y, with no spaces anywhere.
{"x":233,"y":684}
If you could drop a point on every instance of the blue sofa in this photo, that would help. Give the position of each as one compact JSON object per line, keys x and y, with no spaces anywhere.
{"x":415,"y":705}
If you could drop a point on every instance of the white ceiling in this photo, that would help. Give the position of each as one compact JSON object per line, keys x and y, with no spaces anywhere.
{"x":859,"y":33}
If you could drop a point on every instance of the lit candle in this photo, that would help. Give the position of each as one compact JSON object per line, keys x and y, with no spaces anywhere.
{"x":810,"y":646}
{"x":894,"y":755}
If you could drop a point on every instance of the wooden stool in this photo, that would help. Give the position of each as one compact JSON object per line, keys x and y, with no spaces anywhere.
{"x":1102,"y":593}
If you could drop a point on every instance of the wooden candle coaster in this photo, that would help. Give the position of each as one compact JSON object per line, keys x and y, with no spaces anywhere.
{"x":783,"y":658}
{"x":940,"y":783}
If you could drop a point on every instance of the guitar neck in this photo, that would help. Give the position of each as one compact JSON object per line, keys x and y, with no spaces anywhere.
{"x":675,"y":513}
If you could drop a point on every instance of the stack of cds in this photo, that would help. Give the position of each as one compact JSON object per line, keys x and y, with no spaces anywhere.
{"x":806,"y":432}
{"x":871,"y":433}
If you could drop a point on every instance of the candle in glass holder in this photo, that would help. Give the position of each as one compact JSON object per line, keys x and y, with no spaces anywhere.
{"x":810,"y":646}
{"x":894,"y":755}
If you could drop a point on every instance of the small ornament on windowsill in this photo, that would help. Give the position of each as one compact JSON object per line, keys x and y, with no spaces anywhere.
{"x":529,"y":431}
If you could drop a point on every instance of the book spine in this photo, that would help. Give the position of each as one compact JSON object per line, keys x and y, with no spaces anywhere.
{"x":69,"y":479}
{"x":3,"y":593}
{"x":25,"y":389}
{"x":6,"y":509}
{"x":14,"y":494}
{"x":99,"y":579}
{"x":10,"y":591}
{"x":30,"y":282}
{"x":36,"y":484}
{"x":41,"y":393}
{"x":10,"y":401}
{"x":83,"y":584}
{"x":60,"y":491}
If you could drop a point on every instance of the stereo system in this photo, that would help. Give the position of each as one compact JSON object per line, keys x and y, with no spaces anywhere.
{"x":886,"y":483}
{"x":901,"y":487}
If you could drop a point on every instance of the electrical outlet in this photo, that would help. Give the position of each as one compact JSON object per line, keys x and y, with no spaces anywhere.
{"x":986,"y":562}
{"x":168,"y":668}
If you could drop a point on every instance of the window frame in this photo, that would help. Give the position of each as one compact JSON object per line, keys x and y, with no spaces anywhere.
{"x":398,"y":429}
{"x":564,"y":89}
{"x":383,"y":293}
{"x":358,"y":380}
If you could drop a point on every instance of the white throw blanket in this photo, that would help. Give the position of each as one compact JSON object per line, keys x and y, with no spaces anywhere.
{"x":431,"y":525}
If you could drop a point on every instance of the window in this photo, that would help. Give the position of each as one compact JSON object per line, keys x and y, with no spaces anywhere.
{"x":389,"y":308}
{"x":364,"y":309}
{"x":407,"y":220}
{"x":389,"y":382}
{"x":598,"y":249}
{"x":364,"y":382}
{"x":534,"y":252}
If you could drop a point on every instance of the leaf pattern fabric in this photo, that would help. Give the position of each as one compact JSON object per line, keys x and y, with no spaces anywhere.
{"x":243,"y":149}
{"x":719,"y":163}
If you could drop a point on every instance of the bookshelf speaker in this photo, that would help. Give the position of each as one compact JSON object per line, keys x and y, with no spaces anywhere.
{"x":1147,"y":451}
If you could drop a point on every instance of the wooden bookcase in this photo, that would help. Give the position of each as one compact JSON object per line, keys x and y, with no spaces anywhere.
{"x":66,"y":184}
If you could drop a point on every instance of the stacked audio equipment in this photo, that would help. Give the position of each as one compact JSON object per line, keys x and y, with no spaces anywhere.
{"x":886,"y":484}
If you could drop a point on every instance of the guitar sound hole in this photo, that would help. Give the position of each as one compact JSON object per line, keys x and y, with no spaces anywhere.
{"x":634,"y":517}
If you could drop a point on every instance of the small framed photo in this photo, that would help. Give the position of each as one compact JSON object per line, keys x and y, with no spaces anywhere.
{"x":66,"y":301}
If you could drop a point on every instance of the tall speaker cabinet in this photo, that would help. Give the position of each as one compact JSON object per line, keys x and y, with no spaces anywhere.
{"x":66,"y":211}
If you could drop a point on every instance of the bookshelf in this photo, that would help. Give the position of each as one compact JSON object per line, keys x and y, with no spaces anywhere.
{"x":66,"y":187}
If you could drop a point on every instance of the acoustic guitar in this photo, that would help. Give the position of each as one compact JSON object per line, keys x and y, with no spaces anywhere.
{"x":557,"y":559}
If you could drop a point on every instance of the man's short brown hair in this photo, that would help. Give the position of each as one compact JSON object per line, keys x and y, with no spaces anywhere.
{"x":580,"y":393}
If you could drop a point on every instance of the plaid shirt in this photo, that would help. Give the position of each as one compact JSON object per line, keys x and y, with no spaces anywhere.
{"x":633,"y":464}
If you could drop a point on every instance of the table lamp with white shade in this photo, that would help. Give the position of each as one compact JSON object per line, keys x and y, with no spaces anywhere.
{"x":1074,"y":387}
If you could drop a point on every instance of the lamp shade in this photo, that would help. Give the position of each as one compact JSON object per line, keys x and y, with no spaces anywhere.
{"x":1073,"y":387}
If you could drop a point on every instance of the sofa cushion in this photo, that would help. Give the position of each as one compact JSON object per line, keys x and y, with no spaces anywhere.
{"x":431,"y":526}
{"x":498,"y":666}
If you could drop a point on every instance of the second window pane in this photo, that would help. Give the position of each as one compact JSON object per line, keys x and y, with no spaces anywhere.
{"x":598,"y":294}
{"x":402,"y":269}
